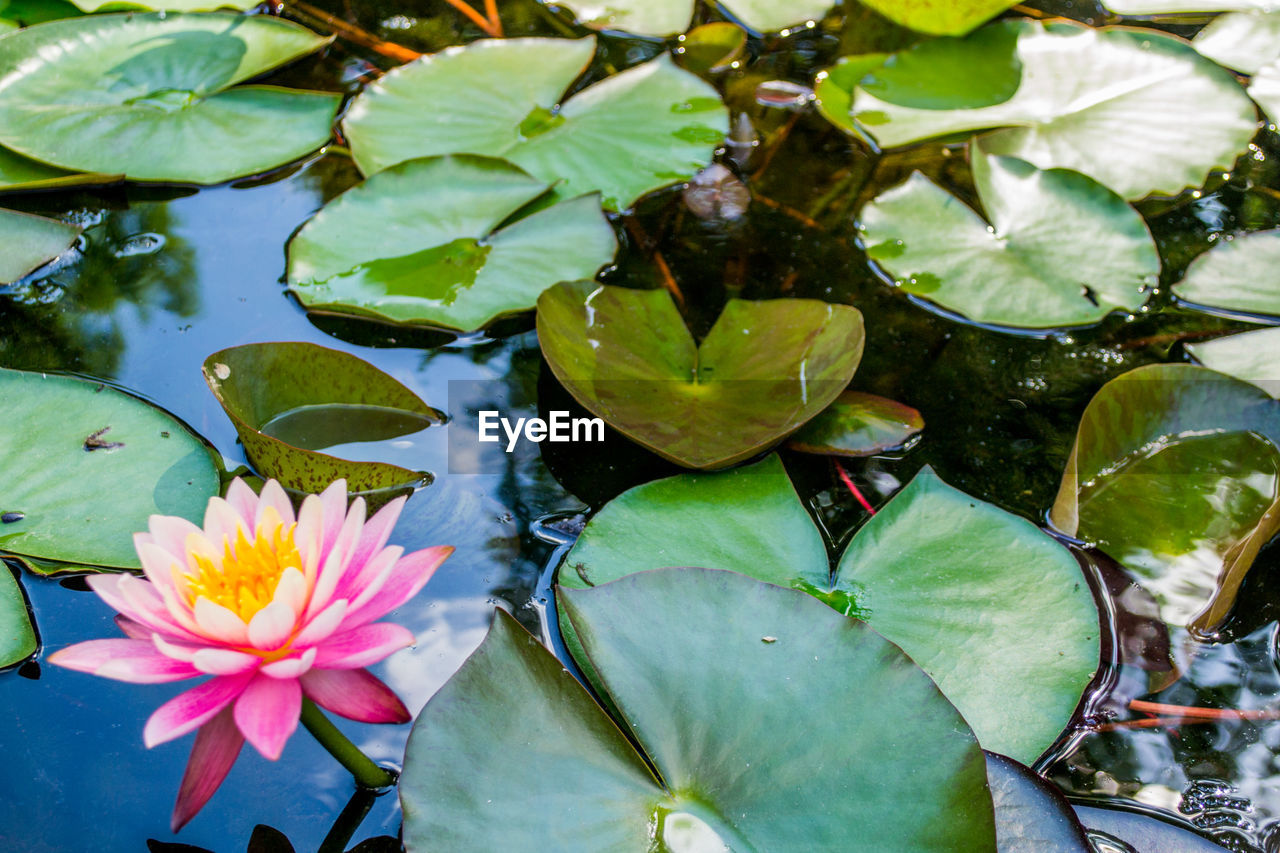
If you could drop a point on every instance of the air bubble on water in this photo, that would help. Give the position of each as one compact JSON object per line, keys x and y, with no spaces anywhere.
{"x":140,"y":244}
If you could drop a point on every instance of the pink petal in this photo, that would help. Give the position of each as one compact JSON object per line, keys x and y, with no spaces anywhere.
{"x":222,"y":524}
{"x":292,"y":590}
{"x":159,"y":565}
{"x":406,"y":580}
{"x":290,"y":667}
{"x":273,"y":496}
{"x":178,"y":651}
{"x":172,"y":608}
{"x":354,"y":694}
{"x":267,"y":713}
{"x":224,"y":661}
{"x":192,"y":709}
{"x":242,"y":499}
{"x":220,"y":624}
{"x":377,"y":531}
{"x":137,"y":661}
{"x":363,"y":646}
{"x":216,"y":748}
{"x":362,"y":587}
{"x":132,"y":630}
{"x":170,"y":532}
{"x":323,"y":625}
{"x":335,"y":566}
{"x":138,"y":601}
{"x":271,"y":626}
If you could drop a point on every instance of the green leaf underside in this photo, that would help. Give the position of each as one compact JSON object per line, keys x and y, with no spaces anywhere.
{"x":80,"y":505}
{"x":1025,"y":269}
{"x":1032,"y":816}
{"x":17,"y":637}
{"x":669,"y":17}
{"x":947,"y":74}
{"x":963,"y":587}
{"x":496,"y":88}
{"x":416,"y":244}
{"x":1251,"y":356}
{"x":153,"y":96}
{"x":1237,"y":275}
{"x":257,"y":384}
{"x":764,"y":369}
{"x":772,"y":721}
{"x":1175,"y":473}
{"x":19,"y":173}
{"x":940,"y":17}
{"x":28,"y":242}
{"x":858,"y":424}
{"x":1182,"y":115}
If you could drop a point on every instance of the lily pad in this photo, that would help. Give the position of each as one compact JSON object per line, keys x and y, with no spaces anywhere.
{"x":1175,"y":474}
{"x":712,"y":48}
{"x":1025,"y":269}
{"x":1138,"y":111}
{"x":1168,"y":7}
{"x":154,"y":96}
{"x":85,"y":465}
{"x":420,"y":243}
{"x":1236,"y":276}
{"x":24,"y":13}
{"x":169,"y":5}
{"x":951,"y":73}
{"x":1031,"y":815}
{"x":1144,"y":833}
{"x":668,"y":17}
{"x":28,"y":242}
{"x":18,"y":173}
{"x":858,"y":424}
{"x":17,"y":637}
{"x":1251,"y":356}
{"x":1248,"y":42}
{"x":940,"y":17}
{"x":772,"y":723}
{"x":993,"y":609}
{"x":317,"y":398}
{"x":502,"y":98}
{"x":762,"y":372}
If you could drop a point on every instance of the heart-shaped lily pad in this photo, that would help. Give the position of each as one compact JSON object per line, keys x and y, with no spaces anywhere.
{"x":1248,"y":42}
{"x":1236,"y":276}
{"x":502,"y":98}
{"x":28,"y":242}
{"x":1251,"y":356}
{"x":1175,"y":473}
{"x":993,"y":609}
{"x":940,"y":17}
{"x":668,"y":17}
{"x":419,"y":243}
{"x":82,"y":467}
{"x":772,"y":723}
{"x":858,"y":424}
{"x":154,"y":96}
{"x":1138,"y":111}
{"x":17,"y":637}
{"x":1025,"y":268}
{"x":761,"y":373}
{"x":290,"y":401}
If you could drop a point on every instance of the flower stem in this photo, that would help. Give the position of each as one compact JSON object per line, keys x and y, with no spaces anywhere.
{"x":368,"y":774}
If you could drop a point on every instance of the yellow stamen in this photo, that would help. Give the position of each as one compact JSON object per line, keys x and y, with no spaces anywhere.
{"x":245,"y":580}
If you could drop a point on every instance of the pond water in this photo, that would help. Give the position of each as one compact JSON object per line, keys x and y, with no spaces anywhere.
{"x":163,"y":278}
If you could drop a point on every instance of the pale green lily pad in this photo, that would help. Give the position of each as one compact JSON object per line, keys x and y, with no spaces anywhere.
{"x":28,"y":242}
{"x":24,"y":13}
{"x":712,"y":48}
{"x":1251,"y":356}
{"x":1237,"y":275}
{"x":858,"y":424}
{"x":167,"y":5}
{"x":1176,"y":474}
{"x":512,"y":109}
{"x":86,"y":465}
{"x":993,"y":609}
{"x":154,"y":96}
{"x":940,"y":17}
{"x":1175,"y":7}
{"x":950,"y":73}
{"x":419,"y":243}
{"x":316,"y":398}
{"x":18,"y":173}
{"x":1025,"y":269}
{"x":762,"y":372}
{"x":668,"y":17}
{"x":1248,"y":42}
{"x":1181,"y":115}
{"x":17,"y":637}
{"x":772,"y":722}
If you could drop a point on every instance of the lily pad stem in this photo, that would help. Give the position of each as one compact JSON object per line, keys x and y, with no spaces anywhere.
{"x":368,"y":774}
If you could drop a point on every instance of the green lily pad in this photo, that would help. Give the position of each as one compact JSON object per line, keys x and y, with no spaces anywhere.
{"x":420,"y":243}
{"x":1175,"y":473}
{"x":24,"y":13}
{"x":1174,"y":7}
{"x":668,"y":17}
{"x":712,"y":48}
{"x":1251,"y":356}
{"x":502,"y":98}
{"x":1025,"y":269}
{"x":950,"y":73}
{"x":28,"y":242}
{"x":290,"y":401}
{"x":154,"y":96}
{"x":940,"y":17}
{"x":1245,"y":41}
{"x":17,"y":637}
{"x":772,"y":723}
{"x":169,"y":5}
{"x":858,"y":424}
{"x":1237,"y":275}
{"x":18,"y":173}
{"x":966,"y":589}
{"x":762,"y":372}
{"x":1138,"y":111}
{"x":85,"y":465}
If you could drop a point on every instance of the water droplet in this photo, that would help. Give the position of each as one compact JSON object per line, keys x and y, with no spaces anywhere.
{"x":140,"y":244}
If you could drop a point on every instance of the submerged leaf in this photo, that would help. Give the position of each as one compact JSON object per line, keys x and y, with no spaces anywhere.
{"x":28,"y":242}
{"x":1238,"y":275}
{"x":668,"y":17}
{"x":858,"y":424}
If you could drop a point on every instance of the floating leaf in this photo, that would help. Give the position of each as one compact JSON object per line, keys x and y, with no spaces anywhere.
{"x":1245,"y":41}
{"x":940,"y":17}
{"x":1026,"y":268}
{"x":24,"y":13}
{"x":1176,"y":475}
{"x":501,"y":98}
{"x":1237,"y":275}
{"x":712,"y":47}
{"x":1136,"y":110}
{"x":154,"y":96}
{"x":1032,"y":816}
{"x":17,"y":637}
{"x":950,"y":74}
{"x":668,"y":17}
{"x":858,"y":424}
{"x":1173,"y":7}
{"x":967,"y":590}
{"x":773,"y":722}
{"x":1251,"y":356}
{"x":22,"y":173}
{"x":85,"y":465}
{"x":1143,"y":832}
{"x":762,"y":371}
{"x":419,"y":243}
{"x":28,"y":242}
{"x":168,"y":5}
{"x":289,"y":401}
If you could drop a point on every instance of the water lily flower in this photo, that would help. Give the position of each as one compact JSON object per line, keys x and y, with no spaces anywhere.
{"x":274,"y":607}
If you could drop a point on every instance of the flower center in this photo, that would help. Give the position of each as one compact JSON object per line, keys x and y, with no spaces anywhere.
{"x":245,"y":579}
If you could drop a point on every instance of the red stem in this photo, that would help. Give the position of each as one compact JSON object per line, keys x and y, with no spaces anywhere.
{"x":848,"y":482}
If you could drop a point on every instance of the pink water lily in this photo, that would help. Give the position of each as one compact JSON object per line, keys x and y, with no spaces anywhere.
{"x":274,"y":607}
